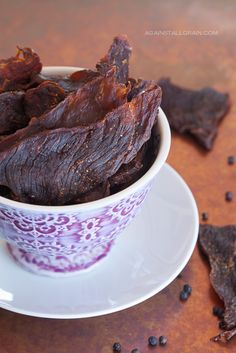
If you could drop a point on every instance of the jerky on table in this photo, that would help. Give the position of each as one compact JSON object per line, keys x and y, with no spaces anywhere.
{"x":118,"y":56}
{"x":195,"y":112}
{"x":12,"y":115}
{"x":42,"y":98}
{"x":17,"y":73}
{"x":219,"y":244}
{"x":69,"y":161}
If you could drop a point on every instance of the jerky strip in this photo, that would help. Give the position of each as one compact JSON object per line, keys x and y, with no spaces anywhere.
{"x":70,"y":83}
{"x":195,"y":112}
{"x":219,"y":244}
{"x":138,"y":86}
{"x":53,"y":167}
{"x":12,"y":116}
{"x":17,"y":72}
{"x":42,"y":98}
{"x":128,"y":173}
{"x":86,"y":106}
{"x":97,"y":193}
{"x":118,"y":56}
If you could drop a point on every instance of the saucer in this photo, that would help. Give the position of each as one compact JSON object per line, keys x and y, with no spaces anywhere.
{"x":149,"y":254}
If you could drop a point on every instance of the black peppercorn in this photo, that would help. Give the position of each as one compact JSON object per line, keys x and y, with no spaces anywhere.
{"x":183,"y":296}
{"x":152,"y":341}
{"x":205,"y":216}
{"x":229,"y":196}
{"x":231,"y":160}
{"x":162,"y":340}
{"x":116,"y":347}
{"x":187,"y":288}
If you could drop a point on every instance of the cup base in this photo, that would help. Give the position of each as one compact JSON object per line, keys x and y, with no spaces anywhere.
{"x":60,"y":265}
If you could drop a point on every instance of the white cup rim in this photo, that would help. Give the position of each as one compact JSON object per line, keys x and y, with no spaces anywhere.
{"x":164,"y":147}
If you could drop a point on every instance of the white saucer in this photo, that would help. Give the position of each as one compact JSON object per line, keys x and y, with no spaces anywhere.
{"x":147,"y":257}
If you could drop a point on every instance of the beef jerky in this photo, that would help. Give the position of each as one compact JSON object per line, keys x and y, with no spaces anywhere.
{"x":42,"y":98}
{"x":53,"y":160}
{"x":72,"y":82}
{"x":138,"y":86}
{"x":219,"y":244}
{"x":134,"y":170}
{"x":128,"y":173}
{"x":16,"y":73}
{"x":12,"y":116}
{"x":118,"y":56}
{"x":195,"y":112}
{"x":97,"y":193}
{"x":86,"y":106}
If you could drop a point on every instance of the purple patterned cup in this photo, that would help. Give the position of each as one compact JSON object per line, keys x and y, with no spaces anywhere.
{"x":62,"y":240}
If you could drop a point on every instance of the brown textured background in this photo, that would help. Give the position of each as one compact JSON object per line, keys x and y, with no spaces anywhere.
{"x":76,"y":32}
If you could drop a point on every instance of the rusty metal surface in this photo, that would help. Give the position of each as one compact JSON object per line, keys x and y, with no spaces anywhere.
{"x":78,"y":33}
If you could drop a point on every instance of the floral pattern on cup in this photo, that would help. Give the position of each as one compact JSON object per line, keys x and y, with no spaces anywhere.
{"x":58,"y":242}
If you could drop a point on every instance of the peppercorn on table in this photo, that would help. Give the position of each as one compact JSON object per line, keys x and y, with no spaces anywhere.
{"x":193,"y":44}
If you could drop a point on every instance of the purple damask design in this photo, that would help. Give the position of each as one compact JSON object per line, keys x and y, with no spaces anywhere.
{"x":62,"y":243}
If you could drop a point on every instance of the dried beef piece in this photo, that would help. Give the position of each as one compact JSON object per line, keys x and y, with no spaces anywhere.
{"x":219,"y":244}
{"x":146,"y":123}
{"x":16,"y":73}
{"x":127,"y":174}
{"x":139,"y":86}
{"x":87,"y":105}
{"x":42,"y":98}
{"x":71,"y":82}
{"x":12,"y":116}
{"x":83,"y":107}
{"x":134,"y":170}
{"x":53,"y":167}
{"x":99,"y":192}
{"x":195,"y":112}
{"x":83,"y":76}
{"x":118,"y":56}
